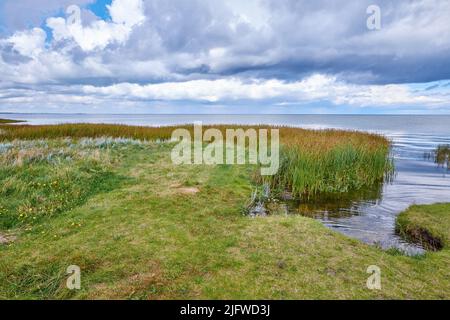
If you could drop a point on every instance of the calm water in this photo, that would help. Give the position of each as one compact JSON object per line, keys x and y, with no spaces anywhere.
{"x":369,"y":215}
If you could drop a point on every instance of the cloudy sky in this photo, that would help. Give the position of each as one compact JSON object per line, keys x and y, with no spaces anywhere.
{"x":224,"y":56}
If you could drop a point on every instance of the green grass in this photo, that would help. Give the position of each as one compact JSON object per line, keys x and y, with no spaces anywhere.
{"x":428,"y":225}
{"x":145,"y":238}
{"x":41,"y":179}
{"x":5,"y":121}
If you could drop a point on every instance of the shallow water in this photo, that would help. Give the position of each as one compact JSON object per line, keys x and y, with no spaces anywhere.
{"x":368,"y":215}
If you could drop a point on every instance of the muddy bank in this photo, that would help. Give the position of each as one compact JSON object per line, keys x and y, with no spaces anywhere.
{"x":420,"y":236}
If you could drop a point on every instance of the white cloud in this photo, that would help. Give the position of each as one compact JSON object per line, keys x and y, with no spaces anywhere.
{"x":223,"y":92}
{"x":29,"y":43}
{"x":314,"y":88}
{"x":125,"y":15}
{"x":127,"y":12}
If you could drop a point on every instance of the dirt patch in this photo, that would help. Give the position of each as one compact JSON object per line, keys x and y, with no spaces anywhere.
{"x":148,"y":285}
{"x":184,"y":190}
{"x":6,"y":239}
{"x":188,"y":190}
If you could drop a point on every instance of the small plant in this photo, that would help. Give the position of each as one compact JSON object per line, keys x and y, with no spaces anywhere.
{"x":442,"y":156}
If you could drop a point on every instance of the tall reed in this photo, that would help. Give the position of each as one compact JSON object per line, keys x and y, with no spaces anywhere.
{"x":342,"y":168}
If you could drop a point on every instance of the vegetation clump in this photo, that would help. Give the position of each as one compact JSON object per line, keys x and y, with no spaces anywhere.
{"x":426,"y":225}
{"x":442,"y":156}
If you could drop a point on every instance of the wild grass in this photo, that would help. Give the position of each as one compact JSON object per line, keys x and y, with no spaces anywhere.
{"x":311,"y":161}
{"x":343,"y":167}
{"x":27,"y":132}
{"x":44,"y":178}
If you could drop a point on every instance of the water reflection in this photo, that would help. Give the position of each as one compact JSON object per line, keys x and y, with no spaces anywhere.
{"x":336,"y":205}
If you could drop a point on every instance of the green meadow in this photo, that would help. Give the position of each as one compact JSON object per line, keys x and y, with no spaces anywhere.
{"x":108,"y":199}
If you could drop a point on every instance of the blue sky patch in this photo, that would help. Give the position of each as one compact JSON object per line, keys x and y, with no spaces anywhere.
{"x":99,"y":9}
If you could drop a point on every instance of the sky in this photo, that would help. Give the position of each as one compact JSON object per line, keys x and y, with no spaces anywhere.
{"x":225,"y":56}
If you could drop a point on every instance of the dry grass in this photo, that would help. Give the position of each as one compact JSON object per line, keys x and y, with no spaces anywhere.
{"x":320,"y":140}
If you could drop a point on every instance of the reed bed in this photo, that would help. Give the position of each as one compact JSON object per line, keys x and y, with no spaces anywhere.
{"x":311,"y":161}
{"x":343,"y":168}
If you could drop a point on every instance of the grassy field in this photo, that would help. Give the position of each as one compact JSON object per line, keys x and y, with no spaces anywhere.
{"x":142,"y":228}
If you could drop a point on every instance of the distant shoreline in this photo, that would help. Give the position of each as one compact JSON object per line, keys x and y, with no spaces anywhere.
{"x":6,"y":121}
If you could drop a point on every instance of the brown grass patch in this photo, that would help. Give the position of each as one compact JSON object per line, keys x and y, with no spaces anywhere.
{"x":7,"y":239}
